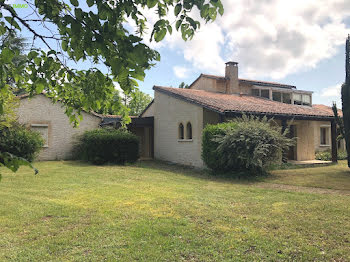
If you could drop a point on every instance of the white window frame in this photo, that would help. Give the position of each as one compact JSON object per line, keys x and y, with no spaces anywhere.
{"x":327,"y":127}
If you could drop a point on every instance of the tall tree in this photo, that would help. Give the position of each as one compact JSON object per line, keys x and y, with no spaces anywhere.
{"x":345,"y":96}
{"x":93,"y":30}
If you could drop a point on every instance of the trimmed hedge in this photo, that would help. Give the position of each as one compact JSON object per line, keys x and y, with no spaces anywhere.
{"x":245,"y":144}
{"x":108,"y":145}
{"x":21,"y":142}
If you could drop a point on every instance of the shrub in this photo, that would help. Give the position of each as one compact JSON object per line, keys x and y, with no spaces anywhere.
{"x":108,"y":146}
{"x":245,"y":144}
{"x":209,"y":144}
{"x":327,"y":155}
{"x":21,"y":142}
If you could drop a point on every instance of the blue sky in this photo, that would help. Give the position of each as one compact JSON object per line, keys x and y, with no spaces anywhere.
{"x":298,"y":42}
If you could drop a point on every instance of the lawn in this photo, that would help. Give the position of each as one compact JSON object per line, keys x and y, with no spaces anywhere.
{"x":155,"y":212}
{"x":332,"y":176}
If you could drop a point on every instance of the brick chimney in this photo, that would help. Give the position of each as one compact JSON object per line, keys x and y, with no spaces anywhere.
{"x":231,"y":74}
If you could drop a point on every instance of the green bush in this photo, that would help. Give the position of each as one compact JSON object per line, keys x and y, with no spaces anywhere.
{"x":209,"y":144}
{"x":21,"y":142}
{"x":108,"y":145}
{"x":245,"y":144}
{"x":327,"y":155}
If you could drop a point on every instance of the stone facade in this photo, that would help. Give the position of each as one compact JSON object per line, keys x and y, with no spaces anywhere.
{"x":40,"y":113}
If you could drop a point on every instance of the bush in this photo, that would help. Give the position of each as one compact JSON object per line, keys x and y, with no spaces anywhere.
{"x":327,"y":155}
{"x":245,"y":144}
{"x":21,"y":142}
{"x":209,"y":144}
{"x":108,"y":145}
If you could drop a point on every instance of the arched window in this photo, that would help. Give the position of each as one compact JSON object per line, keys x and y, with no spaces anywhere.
{"x":181,"y":131}
{"x":189,"y":131}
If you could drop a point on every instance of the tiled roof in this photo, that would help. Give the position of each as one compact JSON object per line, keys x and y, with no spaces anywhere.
{"x":328,"y":109}
{"x":248,"y":81}
{"x":226,"y":103}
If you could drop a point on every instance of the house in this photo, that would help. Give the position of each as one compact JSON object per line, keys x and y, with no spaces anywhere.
{"x":181,"y":114}
{"x":170,"y":128}
{"x":49,"y":119}
{"x":40,"y":114}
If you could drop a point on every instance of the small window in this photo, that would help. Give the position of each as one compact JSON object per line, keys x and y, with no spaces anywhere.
{"x":277,"y":96}
{"x":43,"y":130}
{"x":181,"y":131}
{"x":189,"y":131}
{"x":265,"y":93}
{"x":324,"y":136}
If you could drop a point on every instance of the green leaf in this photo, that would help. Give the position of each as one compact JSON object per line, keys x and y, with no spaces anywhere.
{"x":158,"y":36}
{"x":39,"y":86}
{"x":151,"y":3}
{"x":177,"y":9}
{"x":12,"y":22}
{"x":90,"y":2}
{"x":7,"y":55}
{"x":64,"y":45}
{"x":74,"y":2}
{"x":178,"y":24}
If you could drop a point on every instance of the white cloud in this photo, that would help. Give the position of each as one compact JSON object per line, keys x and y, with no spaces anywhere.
{"x":332,"y":91}
{"x":181,"y":71}
{"x":269,"y":38}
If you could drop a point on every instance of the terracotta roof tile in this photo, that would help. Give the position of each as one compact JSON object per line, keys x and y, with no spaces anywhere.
{"x":327,"y":109}
{"x":223,"y":103}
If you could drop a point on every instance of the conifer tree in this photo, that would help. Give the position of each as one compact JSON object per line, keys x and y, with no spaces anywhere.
{"x":345,"y":95}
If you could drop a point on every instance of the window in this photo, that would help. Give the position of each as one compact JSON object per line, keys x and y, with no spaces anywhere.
{"x":255,"y":92}
{"x":265,"y":93}
{"x":189,"y":131}
{"x":43,"y":130}
{"x":324,"y":136}
{"x":286,"y":98}
{"x":181,"y":131}
{"x":277,"y":96}
{"x":297,"y":99}
{"x":306,"y":100}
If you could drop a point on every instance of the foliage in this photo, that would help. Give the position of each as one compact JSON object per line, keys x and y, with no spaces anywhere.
{"x":108,"y":145}
{"x":345,"y":95}
{"x":209,"y":144}
{"x":138,"y":101}
{"x":8,"y":115}
{"x":339,"y":121}
{"x":76,"y":31}
{"x":183,"y":85}
{"x":21,"y":142}
{"x":250,"y":144}
{"x":327,"y":155}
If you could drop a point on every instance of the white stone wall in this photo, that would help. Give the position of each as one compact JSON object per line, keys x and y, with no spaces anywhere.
{"x":61,"y":134}
{"x":169,"y":112}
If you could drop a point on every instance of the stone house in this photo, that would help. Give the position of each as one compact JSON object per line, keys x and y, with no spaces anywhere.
{"x":181,"y":114}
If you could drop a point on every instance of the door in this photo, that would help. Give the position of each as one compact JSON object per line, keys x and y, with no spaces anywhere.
{"x":292,"y":152}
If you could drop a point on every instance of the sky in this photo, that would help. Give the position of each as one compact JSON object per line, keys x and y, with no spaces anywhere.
{"x":299,"y":42}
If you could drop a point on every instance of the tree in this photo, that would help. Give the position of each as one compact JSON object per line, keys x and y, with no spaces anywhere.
{"x":138,"y":102}
{"x":90,"y":30}
{"x":345,"y":96}
{"x":183,"y":85}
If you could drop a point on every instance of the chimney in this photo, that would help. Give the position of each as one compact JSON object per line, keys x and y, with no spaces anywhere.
{"x":231,"y":74}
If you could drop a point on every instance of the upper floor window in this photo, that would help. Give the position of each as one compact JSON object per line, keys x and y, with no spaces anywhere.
{"x":302,"y":99}
{"x":189,"y":131}
{"x":181,"y":132}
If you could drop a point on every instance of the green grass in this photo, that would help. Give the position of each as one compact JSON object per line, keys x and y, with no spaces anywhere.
{"x":331,"y":176}
{"x":156,"y":212}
